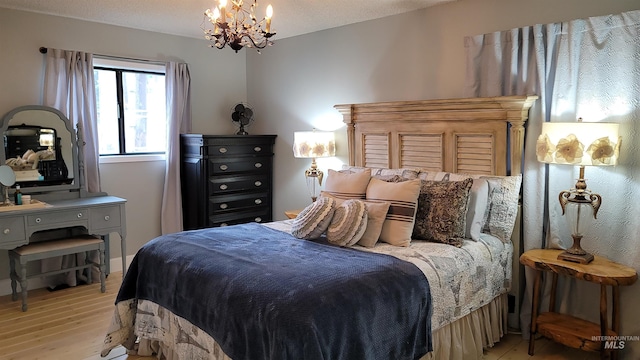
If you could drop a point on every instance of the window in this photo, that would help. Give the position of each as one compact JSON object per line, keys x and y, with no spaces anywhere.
{"x":131,"y":104}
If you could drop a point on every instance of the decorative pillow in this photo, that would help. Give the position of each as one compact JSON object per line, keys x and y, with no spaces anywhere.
{"x":502,"y":208}
{"x":442,"y":211}
{"x":382,"y":172}
{"x":313,"y":220}
{"x":504,"y":192}
{"x":403,"y":198}
{"x":347,"y":185}
{"x":478,"y":203}
{"x":376,"y":213}
{"x":348,"y":224}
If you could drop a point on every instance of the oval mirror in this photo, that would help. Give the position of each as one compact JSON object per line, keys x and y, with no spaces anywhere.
{"x":40,"y":147}
{"x":7,"y":176}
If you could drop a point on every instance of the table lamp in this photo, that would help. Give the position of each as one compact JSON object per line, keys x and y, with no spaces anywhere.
{"x":579,"y":144}
{"x":313,"y":144}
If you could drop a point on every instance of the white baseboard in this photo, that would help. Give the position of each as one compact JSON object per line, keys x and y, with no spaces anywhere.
{"x":37,"y":283}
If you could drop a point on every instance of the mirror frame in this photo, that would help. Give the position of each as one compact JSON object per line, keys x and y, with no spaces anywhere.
{"x":75,"y":184}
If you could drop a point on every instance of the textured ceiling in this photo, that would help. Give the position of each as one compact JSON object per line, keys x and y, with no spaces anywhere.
{"x":184,"y":17}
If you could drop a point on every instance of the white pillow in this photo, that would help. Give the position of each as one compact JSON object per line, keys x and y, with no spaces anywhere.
{"x":347,"y":185}
{"x":313,"y":220}
{"x":478,"y":203}
{"x":348,"y":224}
{"x":376,"y":213}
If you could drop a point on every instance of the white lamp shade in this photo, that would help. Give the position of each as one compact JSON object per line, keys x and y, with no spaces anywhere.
{"x":579,"y":143}
{"x":313,"y":144}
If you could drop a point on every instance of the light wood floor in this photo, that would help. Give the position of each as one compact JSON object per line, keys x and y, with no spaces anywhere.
{"x":70,"y":324}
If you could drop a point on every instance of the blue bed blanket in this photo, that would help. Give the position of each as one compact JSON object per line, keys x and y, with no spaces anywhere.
{"x":262,"y":294}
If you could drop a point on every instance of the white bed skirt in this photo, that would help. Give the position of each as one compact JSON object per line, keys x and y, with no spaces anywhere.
{"x":462,"y":339}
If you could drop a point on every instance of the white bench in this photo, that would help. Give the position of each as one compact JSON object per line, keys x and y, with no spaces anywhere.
{"x":49,"y":249}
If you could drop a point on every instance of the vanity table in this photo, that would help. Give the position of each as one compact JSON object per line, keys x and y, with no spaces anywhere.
{"x":57,"y":182}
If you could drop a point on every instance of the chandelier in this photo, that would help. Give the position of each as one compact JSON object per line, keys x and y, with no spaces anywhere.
{"x":237,"y":27}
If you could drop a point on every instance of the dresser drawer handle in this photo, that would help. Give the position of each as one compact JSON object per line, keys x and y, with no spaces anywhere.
{"x":7,"y":231}
{"x":79,"y":215}
{"x":257,"y":149}
{"x":222,"y":150}
{"x":223,"y":224}
{"x":257,"y":201}
{"x":258,"y":165}
{"x":38,"y":220}
{"x":258,"y":219}
{"x":223,"y":167}
{"x":223,"y":187}
{"x":258,"y":183}
{"x":223,"y":206}
{"x":107,"y":218}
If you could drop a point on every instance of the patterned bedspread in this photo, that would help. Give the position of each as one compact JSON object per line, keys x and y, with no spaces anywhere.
{"x":461,"y":279}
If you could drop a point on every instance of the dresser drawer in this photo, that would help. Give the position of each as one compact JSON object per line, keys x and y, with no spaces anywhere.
{"x":258,"y":214}
{"x":238,"y":149}
{"x":220,"y":166}
{"x":226,"y":184}
{"x":237,"y":201}
{"x":12,"y":232}
{"x":105,"y":217}
{"x":58,"y":217}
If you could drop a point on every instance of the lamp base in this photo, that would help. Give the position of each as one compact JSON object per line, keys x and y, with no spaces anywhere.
{"x":582,"y":259}
{"x":575,"y":253}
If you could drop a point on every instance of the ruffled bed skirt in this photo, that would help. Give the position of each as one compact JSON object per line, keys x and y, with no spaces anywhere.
{"x":172,"y":338}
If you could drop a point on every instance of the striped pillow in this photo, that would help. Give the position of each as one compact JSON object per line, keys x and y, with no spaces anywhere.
{"x":403,"y":196}
{"x":347,"y":185}
{"x":348,"y":224}
{"x":313,"y":220}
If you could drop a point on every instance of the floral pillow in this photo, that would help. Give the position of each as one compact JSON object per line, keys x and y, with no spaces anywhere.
{"x":442,"y":211}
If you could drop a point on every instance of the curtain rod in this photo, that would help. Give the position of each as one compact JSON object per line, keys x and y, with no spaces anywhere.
{"x":44,"y":50}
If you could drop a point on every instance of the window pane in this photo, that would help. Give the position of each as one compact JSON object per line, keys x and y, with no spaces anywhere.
{"x":107,"y":104}
{"x":144,"y":112}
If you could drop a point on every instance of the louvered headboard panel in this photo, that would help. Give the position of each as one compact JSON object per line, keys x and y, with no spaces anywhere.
{"x":474,"y":135}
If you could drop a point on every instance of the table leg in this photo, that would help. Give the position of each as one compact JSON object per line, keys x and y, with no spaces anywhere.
{"x":615,"y":314}
{"x":123,"y":247}
{"x":554,"y":287}
{"x":603,"y":318}
{"x":534,"y":311}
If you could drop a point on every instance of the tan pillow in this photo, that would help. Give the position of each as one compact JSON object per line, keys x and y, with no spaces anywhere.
{"x":376,"y":213}
{"x":348,"y":224}
{"x":403,"y":197}
{"x":347,"y":185}
{"x":313,"y":220}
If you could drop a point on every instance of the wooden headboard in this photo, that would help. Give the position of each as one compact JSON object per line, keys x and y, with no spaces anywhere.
{"x":474,"y":135}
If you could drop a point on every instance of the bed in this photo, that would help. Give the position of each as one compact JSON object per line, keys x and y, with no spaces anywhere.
{"x":424,"y":299}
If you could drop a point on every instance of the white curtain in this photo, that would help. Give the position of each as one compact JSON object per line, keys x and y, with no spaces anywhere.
{"x":69,"y":87}
{"x":587,"y":68}
{"x":177,"y":80}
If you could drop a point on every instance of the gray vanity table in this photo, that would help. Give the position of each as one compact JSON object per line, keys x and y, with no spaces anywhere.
{"x":64,"y":203}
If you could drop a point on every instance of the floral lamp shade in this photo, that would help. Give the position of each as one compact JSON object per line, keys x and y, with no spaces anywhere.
{"x":579,"y":143}
{"x":313,"y":144}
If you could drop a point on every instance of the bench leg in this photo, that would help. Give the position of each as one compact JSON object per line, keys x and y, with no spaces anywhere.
{"x":23,"y":285}
{"x":87,"y":261}
{"x":103,"y":271}
{"x":13,"y":275}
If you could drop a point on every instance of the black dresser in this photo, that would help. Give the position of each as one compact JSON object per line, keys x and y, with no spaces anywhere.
{"x":226,"y":179}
